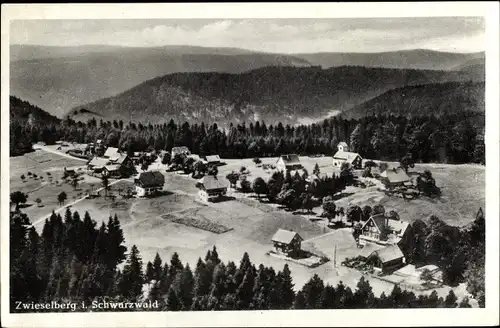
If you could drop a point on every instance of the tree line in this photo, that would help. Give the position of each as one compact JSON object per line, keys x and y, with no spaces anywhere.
{"x":73,"y":260}
{"x":454,"y":138}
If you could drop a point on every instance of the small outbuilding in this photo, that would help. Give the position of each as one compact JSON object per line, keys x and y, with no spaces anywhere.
{"x":212,"y":160}
{"x":287,"y":242}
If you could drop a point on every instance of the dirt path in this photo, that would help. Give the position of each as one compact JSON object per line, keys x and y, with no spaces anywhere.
{"x":42,"y":219}
{"x":58,"y":153}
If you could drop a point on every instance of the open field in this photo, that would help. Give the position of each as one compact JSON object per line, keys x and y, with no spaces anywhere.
{"x":252,"y":223}
{"x":462,"y":186}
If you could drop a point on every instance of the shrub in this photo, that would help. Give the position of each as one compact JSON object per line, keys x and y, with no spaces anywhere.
{"x":245,"y":185}
{"x":23,"y":177}
{"x":257,"y":161}
{"x":370,"y":164}
{"x":29,"y":174}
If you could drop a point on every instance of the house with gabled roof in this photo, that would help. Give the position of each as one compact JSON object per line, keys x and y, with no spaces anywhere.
{"x":211,"y":187}
{"x":343,"y":155}
{"x":287,"y":242}
{"x":288,"y":162}
{"x":112,"y":153}
{"x":387,"y":259}
{"x":386,"y":231}
{"x":394,"y":177}
{"x":148,"y":183}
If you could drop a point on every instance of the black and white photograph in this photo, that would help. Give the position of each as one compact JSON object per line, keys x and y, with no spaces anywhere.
{"x":244,"y":162}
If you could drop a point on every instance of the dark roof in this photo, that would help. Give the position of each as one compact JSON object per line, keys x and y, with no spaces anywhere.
{"x":346,"y":156}
{"x":389,"y":253}
{"x":285,"y":236}
{"x":151,"y":179}
{"x":290,"y":159}
{"x":395,"y":175}
{"x":210,"y":182}
{"x":378,"y":219}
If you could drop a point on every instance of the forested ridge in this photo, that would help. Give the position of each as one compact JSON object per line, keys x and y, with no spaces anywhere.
{"x":284,"y":94}
{"x":421,"y":100}
{"x":453,"y":138}
{"x":74,"y":259}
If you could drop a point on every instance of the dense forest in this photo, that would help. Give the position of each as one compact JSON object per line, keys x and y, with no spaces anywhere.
{"x":275,"y":93}
{"x":74,"y":259}
{"x":436,"y":98}
{"x":454,"y":138}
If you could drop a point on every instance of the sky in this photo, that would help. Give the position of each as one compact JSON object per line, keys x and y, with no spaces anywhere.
{"x":453,"y":34}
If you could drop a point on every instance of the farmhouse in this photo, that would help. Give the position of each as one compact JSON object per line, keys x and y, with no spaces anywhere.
{"x":212,"y":159}
{"x":112,"y":153}
{"x":394,"y":177}
{"x":385,"y":231}
{"x":211,"y":187}
{"x":148,"y":183}
{"x":288,"y":163}
{"x":112,"y":171}
{"x":180,"y":151}
{"x":387,"y":259}
{"x":343,"y":155}
{"x":97,"y":164}
{"x":287,"y":242}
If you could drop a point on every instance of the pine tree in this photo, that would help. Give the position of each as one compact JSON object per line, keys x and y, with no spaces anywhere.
{"x":116,"y":250}
{"x":244,"y":293}
{"x":132,"y":278}
{"x":300,"y":301}
{"x":172,"y":302}
{"x":312,"y":291}
{"x":149,"y":272}
{"x":316,"y":169}
{"x":183,"y":286}
{"x":287,"y":292}
{"x":451,"y":300}
{"x":157,"y":268}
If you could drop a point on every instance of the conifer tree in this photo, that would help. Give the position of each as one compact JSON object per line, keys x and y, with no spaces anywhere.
{"x":312,"y":291}
{"x":149,"y":272}
{"x":172,"y":302}
{"x":132,"y":278}
{"x":157,"y":267}
{"x":287,"y":292}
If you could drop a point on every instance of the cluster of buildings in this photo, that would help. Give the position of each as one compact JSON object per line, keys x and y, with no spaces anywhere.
{"x":386,"y":242}
{"x":112,"y":163}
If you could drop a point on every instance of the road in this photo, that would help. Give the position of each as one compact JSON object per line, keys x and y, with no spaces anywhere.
{"x":60,"y":153}
{"x":64,"y":207}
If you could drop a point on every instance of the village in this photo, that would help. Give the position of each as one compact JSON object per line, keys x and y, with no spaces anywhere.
{"x":208,"y":195}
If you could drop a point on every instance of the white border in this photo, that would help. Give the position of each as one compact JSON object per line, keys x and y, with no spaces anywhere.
{"x":386,"y":318}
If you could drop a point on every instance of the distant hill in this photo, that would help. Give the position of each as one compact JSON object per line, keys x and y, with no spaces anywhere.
{"x":24,"y":112}
{"x":406,"y":59}
{"x":60,"y":78}
{"x":436,"y":99}
{"x":286,"y":94}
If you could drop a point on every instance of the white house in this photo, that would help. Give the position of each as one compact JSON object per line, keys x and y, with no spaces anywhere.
{"x":149,"y":182}
{"x":288,"y":162}
{"x":343,"y":155}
